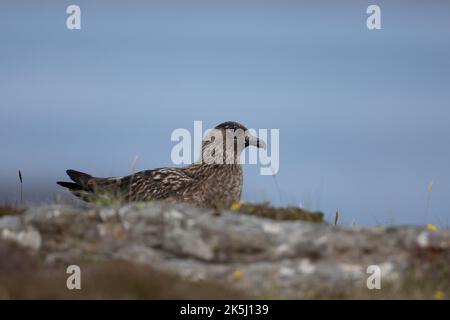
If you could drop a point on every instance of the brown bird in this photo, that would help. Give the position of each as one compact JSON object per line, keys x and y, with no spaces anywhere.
{"x":215,"y":180}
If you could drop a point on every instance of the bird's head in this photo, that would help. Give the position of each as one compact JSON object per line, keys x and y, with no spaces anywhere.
{"x":227,"y":141}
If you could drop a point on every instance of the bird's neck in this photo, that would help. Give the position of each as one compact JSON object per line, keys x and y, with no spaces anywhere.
{"x":212,"y":155}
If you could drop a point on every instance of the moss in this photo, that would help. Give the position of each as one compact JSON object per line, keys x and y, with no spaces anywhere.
{"x":8,"y":210}
{"x":287,"y":213}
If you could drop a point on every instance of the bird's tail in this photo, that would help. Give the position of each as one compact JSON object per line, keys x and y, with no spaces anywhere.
{"x":83,"y":185}
{"x":79,"y":177}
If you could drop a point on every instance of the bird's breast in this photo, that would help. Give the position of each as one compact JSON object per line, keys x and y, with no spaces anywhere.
{"x":218,"y":186}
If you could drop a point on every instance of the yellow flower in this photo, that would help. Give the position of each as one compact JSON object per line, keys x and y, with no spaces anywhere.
{"x":439,"y":295}
{"x":237,"y":274}
{"x":432,"y":227}
{"x":235,"y":206}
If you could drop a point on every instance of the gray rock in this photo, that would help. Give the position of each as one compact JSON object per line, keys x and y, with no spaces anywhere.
{"x":266,"y":258}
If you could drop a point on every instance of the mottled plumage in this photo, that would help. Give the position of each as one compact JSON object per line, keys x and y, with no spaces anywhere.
{"x":205,"y":183}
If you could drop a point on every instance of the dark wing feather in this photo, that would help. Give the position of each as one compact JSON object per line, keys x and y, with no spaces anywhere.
{"x":79,"y":177}
{"x":161,"y":183}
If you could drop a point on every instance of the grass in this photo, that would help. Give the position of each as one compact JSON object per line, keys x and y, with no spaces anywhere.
{"x":21,"y":186}
{"x":427,"y":208}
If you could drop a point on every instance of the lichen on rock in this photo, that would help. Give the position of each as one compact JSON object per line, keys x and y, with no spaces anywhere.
{"x":252,"y":255}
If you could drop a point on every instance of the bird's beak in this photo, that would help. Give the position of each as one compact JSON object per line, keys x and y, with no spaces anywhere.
{"x":254,"y":141}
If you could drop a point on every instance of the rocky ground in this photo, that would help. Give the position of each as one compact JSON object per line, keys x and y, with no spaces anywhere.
{"x":157,"y":250}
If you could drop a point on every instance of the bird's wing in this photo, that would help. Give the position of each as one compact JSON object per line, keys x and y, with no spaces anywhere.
{"x":161,"y":183}
{"x":155,"y":184}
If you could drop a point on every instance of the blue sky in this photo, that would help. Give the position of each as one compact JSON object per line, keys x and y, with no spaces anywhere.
{"x":363,"y":115}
